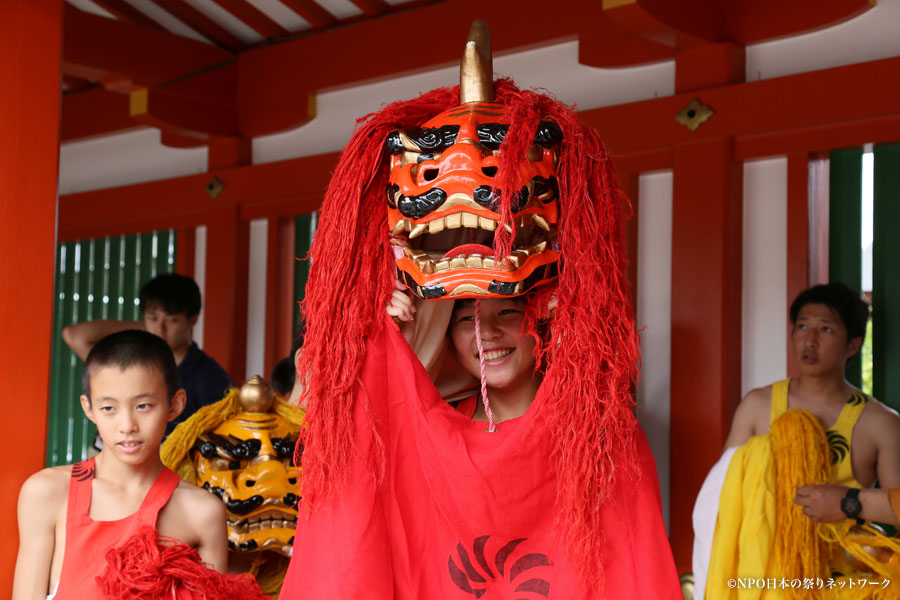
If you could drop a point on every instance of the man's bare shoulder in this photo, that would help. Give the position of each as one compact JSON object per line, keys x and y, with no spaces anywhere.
{"x":759,"y":398}
{"x":751,"y":417}
{"x":878,"y":417}
{"x":48,"y":488}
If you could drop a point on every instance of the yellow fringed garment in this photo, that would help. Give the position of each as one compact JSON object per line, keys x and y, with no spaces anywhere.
{"x":855,"y":542}
{"x":760,"y":533}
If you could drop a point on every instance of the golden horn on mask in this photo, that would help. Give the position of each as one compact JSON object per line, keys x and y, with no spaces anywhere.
{"x":476,"y":72}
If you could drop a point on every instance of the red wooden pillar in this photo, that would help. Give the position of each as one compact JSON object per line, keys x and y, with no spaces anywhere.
{"x":227,"y":252}
{"x":797,"y":241}
{"x":29,"y":155}
{"x":706,"y":320}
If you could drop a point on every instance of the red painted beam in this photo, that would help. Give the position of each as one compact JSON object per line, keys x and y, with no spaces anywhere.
{"x":372,"y":8}
{"x":202,"y":24}
{"x":196,"y":107}
{"x":312,"y":12}
{"x":268,"y":97}
{"x":124,"y":54}
{"x":681,"y":25}
{"x":29,"y":122}
{"x":748,"y":21}
{"x":691,"y":23}
{"x":706,"y":317}
{"x":94,"y":112}
{"x":815,"y":99}
{"x":289,"y":187}
{"x":254,"y":18}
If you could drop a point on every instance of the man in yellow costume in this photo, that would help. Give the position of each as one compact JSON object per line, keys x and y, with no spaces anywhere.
{"x":815,"y":429}
{"x":241,"y":449}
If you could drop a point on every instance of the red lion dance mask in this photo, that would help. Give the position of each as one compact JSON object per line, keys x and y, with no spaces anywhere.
{"x":491,"y":191}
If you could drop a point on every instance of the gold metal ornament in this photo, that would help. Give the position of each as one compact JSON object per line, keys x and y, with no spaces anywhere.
{"x":694,"y":115}
{"x":214,"y":187}
{"x":256,"y":396}
{"x":476,"y":73}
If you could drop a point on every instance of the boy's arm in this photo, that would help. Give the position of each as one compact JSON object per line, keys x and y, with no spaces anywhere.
{"x":81,"y":337}
{"x":212,"y":534}
{"x":39,"y":502}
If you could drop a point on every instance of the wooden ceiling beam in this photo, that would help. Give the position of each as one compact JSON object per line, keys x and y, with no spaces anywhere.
{"x":372,"y":8}
{"x":126,"y":12}
{"x":202,"y":24}
{"x":312,"y":12}
{"x":254,"y":18}
{"x":123,"y":55}
{"x":92,"y":113}
{"x":268,"y":98}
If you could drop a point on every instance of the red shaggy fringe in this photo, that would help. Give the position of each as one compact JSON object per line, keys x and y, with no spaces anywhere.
{"x":591,"y":355}
{"x":145,"y":569}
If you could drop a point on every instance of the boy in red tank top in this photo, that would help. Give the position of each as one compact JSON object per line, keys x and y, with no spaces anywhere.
{"x":71,"y":516}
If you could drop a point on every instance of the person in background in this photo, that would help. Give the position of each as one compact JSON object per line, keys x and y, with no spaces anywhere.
{"x":170,"y":304}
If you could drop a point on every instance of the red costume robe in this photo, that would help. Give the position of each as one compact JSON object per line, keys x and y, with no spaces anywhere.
{"x":460,"y":513}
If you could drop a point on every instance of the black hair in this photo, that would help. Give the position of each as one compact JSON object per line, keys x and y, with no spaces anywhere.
{"x":127,"y":349}
{"x":173,"y":292}
{"x":282,"y":377}
{"x":843,"y":300}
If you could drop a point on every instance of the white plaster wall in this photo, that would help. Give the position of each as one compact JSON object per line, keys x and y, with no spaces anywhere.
{"x":654,"y":319}
{"x":200,"y":278}
{"x":122,"y":159}
{"x":555,"y":68}
{"x":872,"y":35}
{"x":764,"y":297}
{"x":256,"y":299}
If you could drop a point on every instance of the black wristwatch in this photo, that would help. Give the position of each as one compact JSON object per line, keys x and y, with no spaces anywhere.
{"x":850,"y":504}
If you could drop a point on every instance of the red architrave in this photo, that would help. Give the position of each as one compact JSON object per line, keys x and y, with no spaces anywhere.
{"x":29,"y":123}
{"x":706,"y":317}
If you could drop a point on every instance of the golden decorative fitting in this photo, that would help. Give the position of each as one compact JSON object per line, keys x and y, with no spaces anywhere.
{"x":694,"y":114}
{"x":256,"y":396}
{"x":476,"y":72}
{"x":687,"y":586}
{"x":214,"y":187}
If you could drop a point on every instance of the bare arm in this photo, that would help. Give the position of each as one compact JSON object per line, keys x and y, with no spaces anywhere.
{"x":213,"y":535}
{"x":743,"y":426}
{"x":81,"y":337}
{"x":823,"y":503}
{"x":887,"y":438}
{"x":38,"y":506}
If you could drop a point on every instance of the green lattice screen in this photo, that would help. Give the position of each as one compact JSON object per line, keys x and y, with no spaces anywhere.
{"x":845,"y":257}
{"x":95,"y":279}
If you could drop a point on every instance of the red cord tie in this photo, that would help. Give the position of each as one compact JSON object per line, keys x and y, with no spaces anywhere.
{"x":484,"y":397}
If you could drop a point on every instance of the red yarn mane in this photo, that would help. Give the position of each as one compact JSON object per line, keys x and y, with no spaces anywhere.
{"x":592,"y":352}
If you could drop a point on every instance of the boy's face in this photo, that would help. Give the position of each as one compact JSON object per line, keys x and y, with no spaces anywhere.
{"x":508,"y":354}
{"x":130,"y":410}
{"x":174,"y":329}
{"x":820,"y":341}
